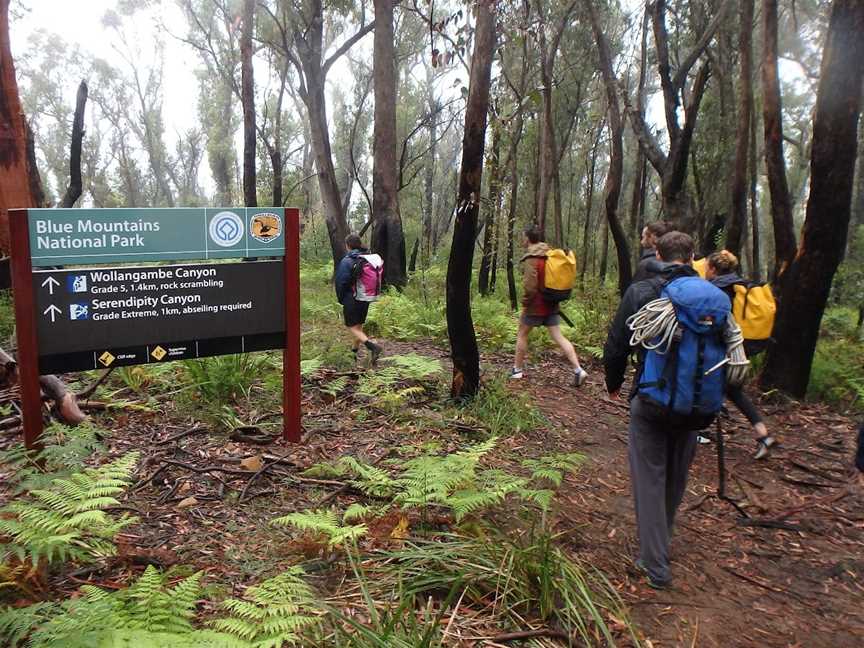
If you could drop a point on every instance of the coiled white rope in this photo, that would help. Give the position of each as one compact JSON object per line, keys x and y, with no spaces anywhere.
{"x":657,"y":321}
{"x":736,"y":371}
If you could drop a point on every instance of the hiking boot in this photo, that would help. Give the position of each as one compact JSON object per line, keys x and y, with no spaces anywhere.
{"x":375,"y":353}
{"x":516,"y":374}
{"x":652,"y":583}
{"x":579,"y":377}
{"x":702,"y":440}
{"x":763,"y":444}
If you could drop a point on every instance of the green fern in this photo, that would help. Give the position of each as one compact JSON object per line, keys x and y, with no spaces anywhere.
{"x":554,"y":467}
{"x":64,"y":450}
{"x":271,"y":614}
{"x":67,"y":520}
{"x":335,"y":387}
{"x":309,"y":367}
{"x":402,"y":371}
{"x":323,"y":522}
{"x":147,"y":613}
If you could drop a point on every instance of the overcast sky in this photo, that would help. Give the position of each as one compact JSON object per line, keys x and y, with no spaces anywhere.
{"x":80,"y":22}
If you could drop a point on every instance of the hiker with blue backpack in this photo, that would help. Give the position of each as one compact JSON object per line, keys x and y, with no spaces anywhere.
{"x":547,"y":280}
{"x":688,"y":349}
{"x":722,"y":270}
{"x":358,"y":283}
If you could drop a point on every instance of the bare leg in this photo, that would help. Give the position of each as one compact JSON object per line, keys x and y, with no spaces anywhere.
{"x":359,"y":337}
{"x":565,"y":345}
{"x":521,"y":345}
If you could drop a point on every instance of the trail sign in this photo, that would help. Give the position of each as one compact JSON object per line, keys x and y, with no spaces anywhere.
{"x":109,"y":316}
{"x":79,"y":236}
{"x":210,"y":308}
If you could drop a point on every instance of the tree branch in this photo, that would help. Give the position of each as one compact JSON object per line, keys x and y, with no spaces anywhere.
{"x":647,"y":142}
{"x":344,"y":47}
{"x":701,"y":45}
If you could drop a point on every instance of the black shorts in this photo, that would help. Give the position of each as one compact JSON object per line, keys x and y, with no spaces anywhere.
{"x":354,"y":312}
{"x":552,"y":319}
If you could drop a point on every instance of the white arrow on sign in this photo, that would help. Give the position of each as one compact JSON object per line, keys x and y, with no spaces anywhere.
{"x":53,"y":311}
{"x":50,"y":282}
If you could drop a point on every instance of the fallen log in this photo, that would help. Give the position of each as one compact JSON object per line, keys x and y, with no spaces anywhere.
{"x":65,"y":402}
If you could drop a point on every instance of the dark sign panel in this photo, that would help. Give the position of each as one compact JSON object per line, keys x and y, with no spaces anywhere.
{"x":94,"y":318}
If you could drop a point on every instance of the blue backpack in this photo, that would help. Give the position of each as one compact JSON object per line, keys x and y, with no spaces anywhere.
{"x":690,"y":379}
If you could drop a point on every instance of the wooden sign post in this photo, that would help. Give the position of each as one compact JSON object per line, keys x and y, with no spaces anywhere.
{"x":106,"y":316}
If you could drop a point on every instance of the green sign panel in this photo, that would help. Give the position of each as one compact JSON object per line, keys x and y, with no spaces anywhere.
{"x":83,"y":236}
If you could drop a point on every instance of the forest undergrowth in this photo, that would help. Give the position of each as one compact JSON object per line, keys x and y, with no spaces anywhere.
{"x":401,"y":521}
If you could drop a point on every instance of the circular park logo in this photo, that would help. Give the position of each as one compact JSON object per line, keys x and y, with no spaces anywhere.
{"x":265,"y":227}
{"x":226,"y":229}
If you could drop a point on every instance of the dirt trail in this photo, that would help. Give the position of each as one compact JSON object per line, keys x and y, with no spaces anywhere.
{"x":790,"y":575}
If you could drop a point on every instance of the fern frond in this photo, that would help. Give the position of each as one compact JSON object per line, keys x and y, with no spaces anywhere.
{"x":324,"y":522}
{"x":67,"y":519}
{"x":272,"y":613}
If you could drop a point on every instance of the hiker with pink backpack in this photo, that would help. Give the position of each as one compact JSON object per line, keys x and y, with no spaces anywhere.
{"x":358,"y":284}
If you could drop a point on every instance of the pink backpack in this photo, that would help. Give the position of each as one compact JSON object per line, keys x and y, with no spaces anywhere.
{"x":368,"y":271}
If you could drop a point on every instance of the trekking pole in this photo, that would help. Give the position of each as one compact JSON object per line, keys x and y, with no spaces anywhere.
{"x":721,"y":471}
{"x":721,"y":462}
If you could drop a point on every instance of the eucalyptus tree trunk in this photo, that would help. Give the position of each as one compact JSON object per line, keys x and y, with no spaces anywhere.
{"x":616,"y":159}
{"x":755,"y":236}
{"x":489,"y":209}
{"x":807,"y":285}
{"x":775,"y":163}
{"x":738,"y":223}
{"x":678,"y":92}
{"x":515,"y":137}
{"x":589,"y":203}
{"x":388,"y":239}
{"x":460,"y":326}
{"x":247,"y":82}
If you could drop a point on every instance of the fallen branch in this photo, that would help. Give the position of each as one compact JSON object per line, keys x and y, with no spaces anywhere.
{"x":530,"y":634}
{"x":87,"y":393}
{"x":181,"y":435}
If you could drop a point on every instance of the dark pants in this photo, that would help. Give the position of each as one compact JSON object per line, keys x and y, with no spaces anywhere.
{"x":661,"y":451}
{"x":744,"y":404}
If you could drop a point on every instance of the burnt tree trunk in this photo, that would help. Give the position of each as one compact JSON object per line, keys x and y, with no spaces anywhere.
{"x":738,"y":222}
{"x":832,"y":166}
{"x":488,"y":227}
{"x":412,"y":263}
{"x":21,"y":187}
{"x":775,"y":163}
{"x":616,"y":159}
{"x":247,"y":91}
{"x":76,"y":185}
{"x":460,"y":326}
{"x":388,"y":239}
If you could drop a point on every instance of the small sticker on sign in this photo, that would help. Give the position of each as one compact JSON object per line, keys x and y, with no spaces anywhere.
{"x":106,"y":358}
{"x":158,"y":353}
{"x":266,"y":227}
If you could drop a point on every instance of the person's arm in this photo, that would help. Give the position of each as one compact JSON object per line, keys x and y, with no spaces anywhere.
{"x":529,"y":280}
{"x":617,"y":347}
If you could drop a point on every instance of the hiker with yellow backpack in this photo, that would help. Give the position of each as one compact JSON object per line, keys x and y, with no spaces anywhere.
{"x":753,"y":308}
{"x":547,"y":280}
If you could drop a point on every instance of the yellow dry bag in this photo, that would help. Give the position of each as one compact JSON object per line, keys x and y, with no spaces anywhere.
{"x":754,"y":309}
{"x":560,"y":275}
